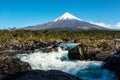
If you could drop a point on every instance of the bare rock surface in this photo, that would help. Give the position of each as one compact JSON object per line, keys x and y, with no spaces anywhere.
{"x":41,"y":75}
{"x":9,"y":64}
{"x":100,"y":53}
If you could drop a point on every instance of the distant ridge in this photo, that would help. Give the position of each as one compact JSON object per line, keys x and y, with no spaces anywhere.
{"x":66,"y":22}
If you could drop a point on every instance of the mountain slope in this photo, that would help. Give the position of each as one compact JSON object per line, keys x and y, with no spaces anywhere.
{"x":66,"y":22}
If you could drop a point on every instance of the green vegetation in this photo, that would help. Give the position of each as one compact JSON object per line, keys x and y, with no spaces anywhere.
{"x":87,"y":37}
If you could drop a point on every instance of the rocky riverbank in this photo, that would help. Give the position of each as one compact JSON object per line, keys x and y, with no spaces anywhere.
{"x":31,"y":45}
{"x":10,"y":64}
{"x":100,"y":52}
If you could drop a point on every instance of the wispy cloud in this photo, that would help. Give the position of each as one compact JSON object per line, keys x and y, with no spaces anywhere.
{"x":101,"y":24}
{"x":116,"y":26}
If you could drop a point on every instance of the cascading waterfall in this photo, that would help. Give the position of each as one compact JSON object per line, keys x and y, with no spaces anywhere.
{"x":87,"y":70}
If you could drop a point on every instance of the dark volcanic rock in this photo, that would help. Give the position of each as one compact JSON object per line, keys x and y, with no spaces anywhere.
{"x":31,"y":45}
{"x":76,"y":53}
{"x":54,"y":47}
{"x":47,"y":50}
{"x":83,"y":52}
{"x":9,"y":65}
{"x":113,"y":63}
{"x":41,"y":75}
{"x":12,"y":52}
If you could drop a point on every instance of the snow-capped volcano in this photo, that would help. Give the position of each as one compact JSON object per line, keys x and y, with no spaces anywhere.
{"x":66,"y":16}
{"x":66,"y":22}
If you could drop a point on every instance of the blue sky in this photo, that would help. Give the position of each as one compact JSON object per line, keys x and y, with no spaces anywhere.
{"x":20,"y":13}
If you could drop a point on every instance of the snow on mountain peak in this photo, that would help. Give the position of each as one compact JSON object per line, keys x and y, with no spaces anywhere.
{"x":66,"y":16}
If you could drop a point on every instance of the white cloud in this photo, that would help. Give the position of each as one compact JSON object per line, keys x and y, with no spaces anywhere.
{"x":117,"y":25}
{"x":101,"y":24}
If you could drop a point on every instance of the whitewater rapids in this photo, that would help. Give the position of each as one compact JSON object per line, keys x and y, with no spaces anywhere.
{"x":86,"y":70}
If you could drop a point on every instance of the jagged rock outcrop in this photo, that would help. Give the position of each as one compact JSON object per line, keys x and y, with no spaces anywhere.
{"x":100,"y":52}
{"x":9,"y":64}
{"x":41,"y":75}
{"x":113,"y":63}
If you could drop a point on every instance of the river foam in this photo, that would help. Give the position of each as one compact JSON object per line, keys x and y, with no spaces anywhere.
{"x":87,"y":70}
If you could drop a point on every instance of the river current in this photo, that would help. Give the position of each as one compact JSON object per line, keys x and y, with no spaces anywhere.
{"x":86,"y":70}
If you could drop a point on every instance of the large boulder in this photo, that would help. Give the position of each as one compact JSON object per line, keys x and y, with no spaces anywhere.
{"x":76,"y":53}
{"x":9,"y":64}
{"x":83,"y":52}
{"x":40,"y":75}
{"x":113,"y":63}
